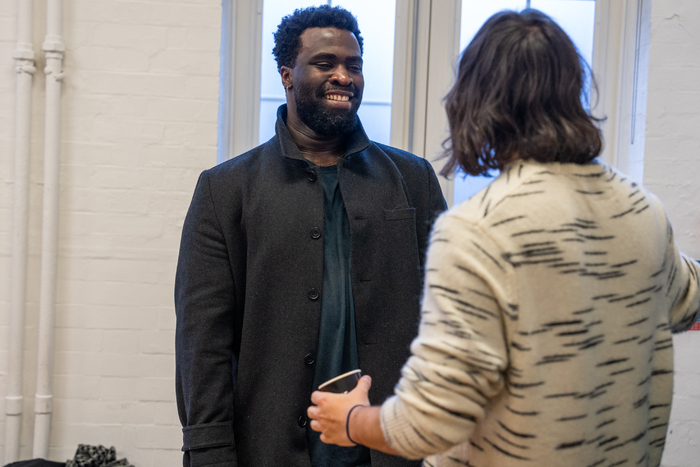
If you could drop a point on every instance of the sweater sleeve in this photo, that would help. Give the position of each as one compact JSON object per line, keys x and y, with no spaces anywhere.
{"x":683,"y":286}
{"x":459,"y":356}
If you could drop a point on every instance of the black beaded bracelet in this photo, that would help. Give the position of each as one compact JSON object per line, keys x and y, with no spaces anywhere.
{"x":347,"y":422}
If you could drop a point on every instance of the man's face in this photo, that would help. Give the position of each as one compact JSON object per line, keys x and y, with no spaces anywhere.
{"x":327,"y":80}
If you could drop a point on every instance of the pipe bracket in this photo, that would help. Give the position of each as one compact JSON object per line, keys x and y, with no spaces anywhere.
{"x":13,"y":405}
{"x":43,"y":404}
{"x":53,"y":46}
{"x":23,"y":54}
{"x":29,"y":69}
{"x":57,"y":75}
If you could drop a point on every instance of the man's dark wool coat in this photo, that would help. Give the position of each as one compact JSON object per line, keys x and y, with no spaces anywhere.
{"x":248,"y":292}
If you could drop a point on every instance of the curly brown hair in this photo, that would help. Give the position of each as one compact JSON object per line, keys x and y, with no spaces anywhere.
{"x":519,"y":94}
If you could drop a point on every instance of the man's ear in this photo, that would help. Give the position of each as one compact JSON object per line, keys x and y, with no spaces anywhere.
{"x":286,"y":75}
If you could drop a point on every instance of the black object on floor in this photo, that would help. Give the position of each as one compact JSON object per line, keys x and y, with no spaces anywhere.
{"x":96,"y":456}
{"x":36,"y":463}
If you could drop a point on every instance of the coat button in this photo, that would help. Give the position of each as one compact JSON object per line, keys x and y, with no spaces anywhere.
{"x":309,"y":359}
{"x":313,"y":294}
{"x":301,"y":421}
{"x":315,"y":233}
{"x":311,"y":174}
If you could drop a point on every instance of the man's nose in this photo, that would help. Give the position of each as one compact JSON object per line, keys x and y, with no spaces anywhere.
{"x":341,"y":77}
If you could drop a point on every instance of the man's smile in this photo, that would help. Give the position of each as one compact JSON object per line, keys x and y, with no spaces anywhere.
{"x":338,"y":97}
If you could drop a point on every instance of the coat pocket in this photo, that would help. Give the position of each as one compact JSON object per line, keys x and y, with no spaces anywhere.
{"x":398,"y":214}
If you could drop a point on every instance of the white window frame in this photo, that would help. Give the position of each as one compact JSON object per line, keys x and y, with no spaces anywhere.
{"x":428,"y":32}
{"x":425,"y":60}
{"x":239,"y":100}
{"x":621,"y":64}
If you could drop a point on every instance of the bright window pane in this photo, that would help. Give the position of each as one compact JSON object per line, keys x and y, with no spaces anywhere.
{"x":376,"y":19}
{"x":476,"y":12}
{"x":271,"y":89}
{"x":576,"y":17}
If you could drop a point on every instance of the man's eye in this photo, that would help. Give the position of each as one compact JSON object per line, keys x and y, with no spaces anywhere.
{"x":324,"y":65}
{"x":356,"y":69}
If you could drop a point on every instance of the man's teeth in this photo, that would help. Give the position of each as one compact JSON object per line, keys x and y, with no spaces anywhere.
{"x":335,"y":97}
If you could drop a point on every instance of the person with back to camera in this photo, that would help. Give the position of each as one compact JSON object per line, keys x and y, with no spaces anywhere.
{"x":286,"y":251}
{"x":550,"y":296}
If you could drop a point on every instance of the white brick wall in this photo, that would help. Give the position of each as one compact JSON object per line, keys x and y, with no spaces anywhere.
{"x":139,"y":124}
{"x":7,"y":105}
{"x":139,"y":109}
{"x":672,"y":172}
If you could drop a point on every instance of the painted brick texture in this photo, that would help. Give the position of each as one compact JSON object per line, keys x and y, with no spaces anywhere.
{"x":672,"y":171}
{"x":139,"y":124}
{"x":139,"y":109}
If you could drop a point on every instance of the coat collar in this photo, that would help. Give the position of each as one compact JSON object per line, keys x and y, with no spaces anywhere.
{"x":357,"y":142}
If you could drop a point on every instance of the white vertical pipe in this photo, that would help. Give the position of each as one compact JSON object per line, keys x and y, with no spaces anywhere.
{"x":24,"y":66}
{"x":53,"y":49}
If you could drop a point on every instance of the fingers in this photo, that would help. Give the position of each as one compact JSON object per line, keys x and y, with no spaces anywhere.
{"x":316,"y":396}
{"x":312,"y":412}
{"x":315,"y":425}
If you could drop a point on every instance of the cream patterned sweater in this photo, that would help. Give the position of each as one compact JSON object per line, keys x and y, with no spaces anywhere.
{"x":545,"y":339}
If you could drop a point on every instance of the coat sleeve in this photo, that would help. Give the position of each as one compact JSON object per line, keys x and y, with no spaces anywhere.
{"x":204,"y":347}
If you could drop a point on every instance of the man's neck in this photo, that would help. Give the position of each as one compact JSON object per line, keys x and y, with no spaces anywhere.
{"x":318,"y":149}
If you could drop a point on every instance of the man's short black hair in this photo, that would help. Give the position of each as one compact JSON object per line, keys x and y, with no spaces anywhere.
{"x":287,"y":37}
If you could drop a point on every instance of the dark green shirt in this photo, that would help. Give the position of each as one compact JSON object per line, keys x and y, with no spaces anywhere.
{"x":337,"y":344}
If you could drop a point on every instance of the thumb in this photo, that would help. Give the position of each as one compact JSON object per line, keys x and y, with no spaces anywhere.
{"x":364,"y":384}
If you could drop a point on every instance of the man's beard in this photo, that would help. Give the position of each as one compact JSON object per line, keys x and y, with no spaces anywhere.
{"x":321,"y":119}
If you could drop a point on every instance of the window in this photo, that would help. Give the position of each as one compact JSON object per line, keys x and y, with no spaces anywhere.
{"x":413,"y":47}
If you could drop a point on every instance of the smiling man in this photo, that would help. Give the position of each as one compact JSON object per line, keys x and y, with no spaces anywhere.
{"x":326,"y":107}
{"x":300,"y":260}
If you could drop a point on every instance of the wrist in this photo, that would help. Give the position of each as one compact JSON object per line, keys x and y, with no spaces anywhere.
{"x":352,"y":414}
